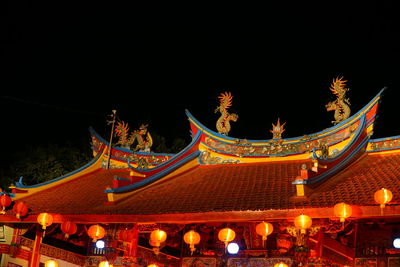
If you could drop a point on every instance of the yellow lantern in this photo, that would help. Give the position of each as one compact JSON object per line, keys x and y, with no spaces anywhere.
{"x":342,"y":210}
{"x":96,"y":232}
{"x":51,"y":263}
{"x":281,"y":264}
{"x":152,"y":265}
{"x":45,"y":219}
{"x":226,"y":235}
{"x":383,"y":196}
{"x":192,"y":238}
{"x":157,"y":237}
{"x":264,"y":229}
{"x":105,"y":264}
{"x":302,"y":222}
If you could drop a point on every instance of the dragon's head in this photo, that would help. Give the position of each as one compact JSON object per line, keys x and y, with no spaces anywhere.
{"x":338,"y":86}
{"x":331,"y":106}
{"x":121,"y":129}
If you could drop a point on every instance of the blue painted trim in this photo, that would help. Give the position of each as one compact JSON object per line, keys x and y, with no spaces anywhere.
{"x":122,"y":179}
{"x":20,"y":185}
{"x":337,"y":168}
{"x":155,"y":177}
{"x":195,"y":139}
{"x":321,"y":134}
{"x":385,"y":139}
{"x":383,"y":149}
{"x":357,"y":135}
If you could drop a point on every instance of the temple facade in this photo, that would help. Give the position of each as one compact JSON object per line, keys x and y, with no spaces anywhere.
{"x":330,"y":198}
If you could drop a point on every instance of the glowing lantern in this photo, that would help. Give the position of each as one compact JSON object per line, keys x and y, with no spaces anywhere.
{"x":45,"y":219}
{"x":51,"y":263}
{"x":281,"y":264}
{"x":96,"y":232}
{"x":342,"y":210}
{"x":302,"y":222}
{"x":20,"y":209}
{"x":383,"y":196}
{"x":152,"y":265}
{"x":156,"y":238}
{"x":226,"y":235}
{"x":5,"y":201}
{"x":192,"y":238}
{"x":105,"y":264}
{"x":69,"y":228}
{"x":264,"y":229}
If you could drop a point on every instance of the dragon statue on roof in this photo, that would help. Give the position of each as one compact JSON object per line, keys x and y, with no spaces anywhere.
{"x":223,"y":123}
{"x":142,"y":136}
{"x":341,"y":105}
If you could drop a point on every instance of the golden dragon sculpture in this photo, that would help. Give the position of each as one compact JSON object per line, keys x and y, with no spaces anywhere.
{"x":141,"y":136}
{"x":223,"y":123}
{"x":341,"y":105}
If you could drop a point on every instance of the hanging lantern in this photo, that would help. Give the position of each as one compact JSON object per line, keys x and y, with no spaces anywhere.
{"x":343,"y":211}
{"x":302,"y":222}
{"x":152,"y":265}
{"x":156,"y":238}
{"x":20,"y":209}
{"x":281,"y":264}
{"x":5,"y":201}
{"x":264,"y":229}
{"x":69,"y":228}
{"x":105,"y":264}
{"x":383,"y":196}
{"x":226,"y":235}
{"x":192,"y":238}
{"x":96,"y":232}
{"x":51,"y":263}
{"x":45,"y":219}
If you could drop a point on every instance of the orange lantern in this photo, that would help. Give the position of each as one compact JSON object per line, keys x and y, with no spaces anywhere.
{"x":281,"y":264}
{"x":5,"y":201}
{"x":152,"y":265}
{"x":192,"y":238}
{"x":45,"y":219}
{"x":51,"y":263}
{"x":96,"y":232}
{"x":302,"y":222}
{"x":105,"y":264}
{"x":383,"y":196}
{"x":156,"y":238}
{"x":69,"y":228}
{"x":342,"y":210}
{"x":264,"y":229}
{"x":20,"y":209}
{"x":226,"y":235}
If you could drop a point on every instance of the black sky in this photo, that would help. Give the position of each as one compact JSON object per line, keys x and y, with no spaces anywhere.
{"x":67,"y":64}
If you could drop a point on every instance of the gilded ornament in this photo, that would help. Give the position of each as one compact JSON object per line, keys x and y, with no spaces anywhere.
{"x":341,"y":105}
{"x":223,"y":123}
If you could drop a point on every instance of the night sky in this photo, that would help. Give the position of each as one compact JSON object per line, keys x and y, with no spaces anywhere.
{"x":67,"y":64}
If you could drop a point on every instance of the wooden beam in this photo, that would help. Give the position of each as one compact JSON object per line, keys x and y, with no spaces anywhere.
{"x":359,"y":212}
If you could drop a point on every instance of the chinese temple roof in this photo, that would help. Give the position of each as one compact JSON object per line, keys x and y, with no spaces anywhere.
{"x":217,"y":177}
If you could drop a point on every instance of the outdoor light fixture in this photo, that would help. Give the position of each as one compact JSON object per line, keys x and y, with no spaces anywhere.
{"x":233,"y":248}
{"x":100,"y":244}
{"x":396,"y":242}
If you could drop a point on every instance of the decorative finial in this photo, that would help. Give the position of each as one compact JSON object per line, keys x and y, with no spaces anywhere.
{"x":277,"y":130}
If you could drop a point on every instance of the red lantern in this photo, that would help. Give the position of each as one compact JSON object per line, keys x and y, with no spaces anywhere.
{"x":20,"y":209}
{"x":5,"y":201}
{"x":96,"y":232}
{"x":383,"y":196}
{"x":342,"y":210}
{"x":45,"y":219}
{"x":69,"y":228}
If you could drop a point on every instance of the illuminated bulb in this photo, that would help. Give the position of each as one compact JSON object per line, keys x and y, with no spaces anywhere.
{"x":396,"y":243}
{"x":100,"y":244}
{"x":233,"y":248}
{"x":51,"y":263}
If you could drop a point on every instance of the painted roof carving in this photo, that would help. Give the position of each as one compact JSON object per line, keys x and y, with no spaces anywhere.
{"x":218,"y":173}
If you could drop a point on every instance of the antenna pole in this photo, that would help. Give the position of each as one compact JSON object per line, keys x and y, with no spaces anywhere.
{"x":113,"y":116}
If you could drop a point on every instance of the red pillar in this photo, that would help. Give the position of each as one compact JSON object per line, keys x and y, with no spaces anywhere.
{"x":35,"y":259}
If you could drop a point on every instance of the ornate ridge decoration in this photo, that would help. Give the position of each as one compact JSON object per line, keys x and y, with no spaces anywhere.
{"x":206,"y":159}
{"x":223,"y":125}
{"x":341,"y":105}
{"x":141,"y":136}
{"x":277,"y":130}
